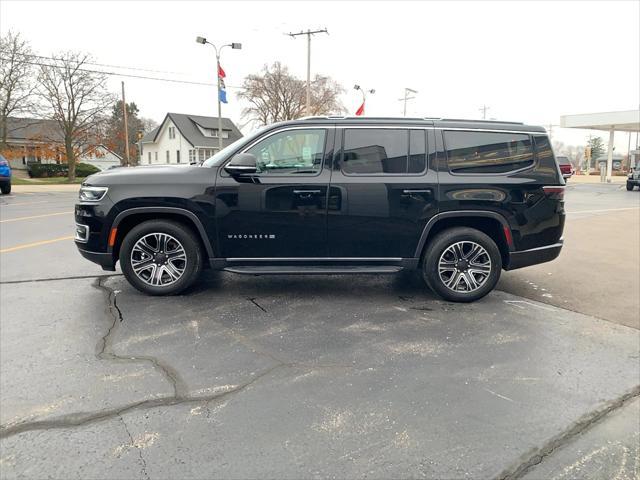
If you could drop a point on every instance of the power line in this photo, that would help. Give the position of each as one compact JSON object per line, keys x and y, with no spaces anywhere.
{"x":103,"y":64}
{"x":129,"y":75}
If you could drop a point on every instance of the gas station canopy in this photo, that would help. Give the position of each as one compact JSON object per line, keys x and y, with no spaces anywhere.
{"x":625,"y":121}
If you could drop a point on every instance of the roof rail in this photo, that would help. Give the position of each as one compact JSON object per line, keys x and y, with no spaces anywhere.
{"x":346,"y":117}
{"x":479,"y":121}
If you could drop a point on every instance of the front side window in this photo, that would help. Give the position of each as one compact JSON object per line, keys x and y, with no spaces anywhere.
{"x":487,"y":152}
{"x":373,"y":151}
{"x":290,"y":152}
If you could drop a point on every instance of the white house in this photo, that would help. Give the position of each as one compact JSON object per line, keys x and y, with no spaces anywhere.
{"x":101,"y":157}
{"x":185,"y":139}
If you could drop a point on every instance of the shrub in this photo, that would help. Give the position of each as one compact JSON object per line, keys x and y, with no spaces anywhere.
{"x":43,"y":170}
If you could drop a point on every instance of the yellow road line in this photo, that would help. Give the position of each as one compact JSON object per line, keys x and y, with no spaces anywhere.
{"x":34,"y":216}
{"x":35,"y":244}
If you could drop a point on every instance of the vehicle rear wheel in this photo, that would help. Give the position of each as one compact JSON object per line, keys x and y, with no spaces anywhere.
{"x":462,"y":264}
{"x":161,"y":257}
{"x":5,"y":188}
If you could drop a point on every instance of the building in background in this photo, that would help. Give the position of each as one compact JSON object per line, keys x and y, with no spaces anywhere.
{"x":185,"y":139}
{"x":34,"y":140}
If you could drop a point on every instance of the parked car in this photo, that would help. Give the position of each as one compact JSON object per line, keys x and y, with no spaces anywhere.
{"x":458,"y":200}
{"x":566,"y":168}
{"x":633,"y":178}
{"x":5,"y":176}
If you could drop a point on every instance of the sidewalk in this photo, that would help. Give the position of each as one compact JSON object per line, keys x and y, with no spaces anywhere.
{"x":595,"y":179}
{"x":45,"y":188}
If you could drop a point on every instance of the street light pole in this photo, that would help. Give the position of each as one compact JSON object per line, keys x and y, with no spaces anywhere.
{"x":364,"y":95}
{"x":235,"y":46}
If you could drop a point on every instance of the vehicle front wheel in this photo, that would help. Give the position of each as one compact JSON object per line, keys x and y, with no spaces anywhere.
{"x":161,"y":257}
{"x":630,"y":186}
{"x":5,"y":188}
{"x":462,"y":264}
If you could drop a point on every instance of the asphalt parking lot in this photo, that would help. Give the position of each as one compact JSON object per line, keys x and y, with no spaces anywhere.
{"x":338,"y":376}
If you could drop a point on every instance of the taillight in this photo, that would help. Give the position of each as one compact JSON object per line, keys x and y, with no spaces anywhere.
{"x":556,"y":192}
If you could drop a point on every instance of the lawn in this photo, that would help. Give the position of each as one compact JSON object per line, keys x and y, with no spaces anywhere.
{"x":45,"y":181}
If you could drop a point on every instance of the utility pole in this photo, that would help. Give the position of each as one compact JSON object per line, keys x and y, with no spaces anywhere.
{"x":126,"y":128}
{"x":308,"y":33}
{"x":484,"y":109}
{"x":407,"y":91}
{"x":550,"y":129}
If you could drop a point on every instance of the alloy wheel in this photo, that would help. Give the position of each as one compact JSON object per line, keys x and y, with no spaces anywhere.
{"x":158,"y":259}
{"x":464,"y":266}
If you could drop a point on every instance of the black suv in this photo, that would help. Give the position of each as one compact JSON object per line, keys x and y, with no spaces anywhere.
{"x":457,"y":199}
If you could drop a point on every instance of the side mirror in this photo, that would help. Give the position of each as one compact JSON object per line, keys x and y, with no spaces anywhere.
{"x":241,"y":163}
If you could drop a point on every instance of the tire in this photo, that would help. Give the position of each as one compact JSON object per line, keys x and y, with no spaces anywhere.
{"x":629,"y":187}
{"x":5,"y":188}
{"x":445,"y":248}
{"x":166,"y":256}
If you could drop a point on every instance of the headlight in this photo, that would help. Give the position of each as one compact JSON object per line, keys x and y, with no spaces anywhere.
{"x":92,"y":194}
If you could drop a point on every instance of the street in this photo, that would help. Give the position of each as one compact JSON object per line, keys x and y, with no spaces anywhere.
{"x":311,"y":376}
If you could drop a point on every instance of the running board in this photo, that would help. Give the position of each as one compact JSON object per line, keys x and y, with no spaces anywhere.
{"x":311,"y":270}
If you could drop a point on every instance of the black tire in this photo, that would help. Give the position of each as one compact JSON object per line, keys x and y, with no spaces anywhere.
{"x":629,"y":186}
{"x":183,"y":236}
{"x":5,"y":188}
{"x":448,"y":238}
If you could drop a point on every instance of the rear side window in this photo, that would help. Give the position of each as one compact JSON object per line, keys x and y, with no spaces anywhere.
{"x":374,"y":151}
{"x":487,"y":152}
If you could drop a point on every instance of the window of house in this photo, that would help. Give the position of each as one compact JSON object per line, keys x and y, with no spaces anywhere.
{"x":290,"y":152}
{"x":156,"y":156}
{"x":371,"y":151}
{"x":177,"y":156}
{"x":192,"y":156}
{"x":168,"y":156}
{"x":149,"y":156}
{"x":487,"y":152}
{"x":172,"y":132}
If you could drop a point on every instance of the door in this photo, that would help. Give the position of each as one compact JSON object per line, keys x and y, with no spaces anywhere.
{"x":382,"y":191}
{"x":281,"y":210}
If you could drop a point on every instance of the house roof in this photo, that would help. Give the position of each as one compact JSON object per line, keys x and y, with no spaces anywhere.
{"x":188,"y":127}
{"x":32,"y":129}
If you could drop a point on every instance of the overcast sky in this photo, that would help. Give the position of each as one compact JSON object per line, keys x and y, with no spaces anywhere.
{"x":528,"y":61}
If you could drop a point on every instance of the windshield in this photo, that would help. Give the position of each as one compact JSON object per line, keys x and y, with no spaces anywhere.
{"x":223,"y":154}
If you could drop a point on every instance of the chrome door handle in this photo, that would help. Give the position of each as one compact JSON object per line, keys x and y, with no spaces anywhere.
{"x":412,"y":191}
{"x":307,"y":192}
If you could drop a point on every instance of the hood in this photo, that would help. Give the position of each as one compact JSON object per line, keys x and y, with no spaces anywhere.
{"x":152,"y":175}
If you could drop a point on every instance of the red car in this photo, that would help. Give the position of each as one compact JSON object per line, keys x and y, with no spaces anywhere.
{"x":565,"y":167}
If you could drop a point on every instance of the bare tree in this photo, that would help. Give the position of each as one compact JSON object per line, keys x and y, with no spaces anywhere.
{"x":275,"y":95}
{"x":77,"y":99}
{"x":16,"y":80}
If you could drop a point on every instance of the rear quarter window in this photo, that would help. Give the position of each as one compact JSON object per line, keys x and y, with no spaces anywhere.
{"x":487,"y":152}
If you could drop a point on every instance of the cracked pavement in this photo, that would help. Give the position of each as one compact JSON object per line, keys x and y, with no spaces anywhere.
{"x":299,"y":377}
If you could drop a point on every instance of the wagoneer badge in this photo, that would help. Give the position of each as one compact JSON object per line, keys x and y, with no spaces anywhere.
{"x":254,"y":236}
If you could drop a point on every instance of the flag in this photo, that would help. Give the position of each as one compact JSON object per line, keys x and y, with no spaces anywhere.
{"x":222,"y":93}
{"x":360,"y":111}
{"x":221,"y":73}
